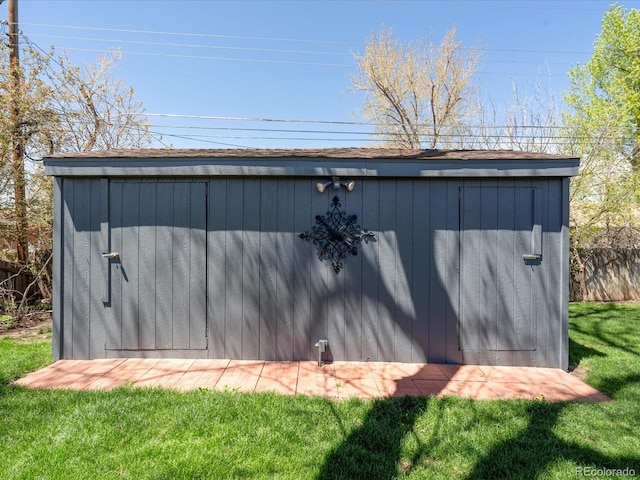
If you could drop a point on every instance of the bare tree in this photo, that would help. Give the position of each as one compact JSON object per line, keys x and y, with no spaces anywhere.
{"x":417,"y":95}
{"x":62,"y":108}
{"x":93,"y":111}
{"x":21,"y":116}
{"x":528,"y":122}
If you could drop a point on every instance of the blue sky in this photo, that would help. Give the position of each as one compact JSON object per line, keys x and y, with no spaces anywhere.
{"x":292,"y":60}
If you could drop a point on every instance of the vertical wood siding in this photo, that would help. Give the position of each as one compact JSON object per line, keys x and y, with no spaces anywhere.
{"x":398,"y":300}
{"x":498,"y":288}
{"x":78,"y":314}
{"x":159,"y":281}
{"x":269,"y":297}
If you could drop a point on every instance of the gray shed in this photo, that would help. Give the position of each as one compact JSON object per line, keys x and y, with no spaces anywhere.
{"x":389,"y":255}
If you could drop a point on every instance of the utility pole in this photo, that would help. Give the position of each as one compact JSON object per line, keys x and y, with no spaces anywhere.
{"x":19,"y":188}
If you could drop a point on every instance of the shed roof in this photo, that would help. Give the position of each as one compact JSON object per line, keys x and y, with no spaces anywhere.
{"x":314,"y":162}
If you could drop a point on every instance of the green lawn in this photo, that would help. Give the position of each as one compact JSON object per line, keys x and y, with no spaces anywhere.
{"x":154,"y":434}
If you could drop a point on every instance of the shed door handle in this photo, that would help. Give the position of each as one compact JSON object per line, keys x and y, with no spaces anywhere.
{"x":115,"y":256}
{"x":531,"y":256}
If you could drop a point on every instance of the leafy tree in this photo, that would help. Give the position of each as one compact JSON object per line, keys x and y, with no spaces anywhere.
{"x":604,"y":98}
{"x":604,"y":125}
{"x":417,"y":95}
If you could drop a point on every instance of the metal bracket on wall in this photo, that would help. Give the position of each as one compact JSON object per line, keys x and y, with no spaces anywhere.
{"x":336,"y":235}
{"x":532,"y":258}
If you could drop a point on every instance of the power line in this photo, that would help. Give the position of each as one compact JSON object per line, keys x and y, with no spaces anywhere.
{"x":35,"y":46}
{"x":465,"y":139}
{"x":536,"y":133}
{"x":317,"y":64}
{"x":472,"y":126}
{"x":347,"y":132}
{"x":261,"y":50}
{"x":79,"y":79}
{"x":191,"y":45}
{"x":311,"y":121}
{"x":255,"y":119}
{"x":273,"y":39}
{"x":275,"y":130}
{"x":187,"y":137}
{"x":288,"y":62}
{"x":198,"y":35}
{"x":285,"y":62}
{"x":207,"y":138}
{"x":204,"y":57}
{"x":511,"y":133}
{"x":474,"y":134}
{"x":278,"y":51}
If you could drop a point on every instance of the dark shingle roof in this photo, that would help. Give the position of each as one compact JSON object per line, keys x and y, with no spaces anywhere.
{"x":361,"y":162}
{"x":330,"y":153}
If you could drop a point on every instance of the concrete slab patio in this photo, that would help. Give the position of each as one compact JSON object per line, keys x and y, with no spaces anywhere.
{"x":337,"y":380}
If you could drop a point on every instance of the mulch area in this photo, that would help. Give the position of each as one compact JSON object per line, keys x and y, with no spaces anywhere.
{"x":34,"y":326}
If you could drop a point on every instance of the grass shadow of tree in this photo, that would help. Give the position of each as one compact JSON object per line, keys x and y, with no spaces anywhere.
{"x":578,"y":352}
{"x":374,"y":449}
{"x":538,"y":447}
{"x":530,"y":444}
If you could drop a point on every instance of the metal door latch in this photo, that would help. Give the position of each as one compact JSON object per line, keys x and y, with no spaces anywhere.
{"x":111,"y":255}
{"x":531,"y":257}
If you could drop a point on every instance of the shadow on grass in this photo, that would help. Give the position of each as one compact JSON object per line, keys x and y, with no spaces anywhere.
{"x":578,"y":352}
{"x":609,"y":385}
{"x":589,"y":310}
{"x":376,"y":448}
{"x":538,"y":447}
{"x":611,"y":340}
{"x":609,"y":324}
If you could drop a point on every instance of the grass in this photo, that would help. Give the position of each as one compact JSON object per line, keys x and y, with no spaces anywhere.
{"x":155,"y":434}
{"x":18,"y":357}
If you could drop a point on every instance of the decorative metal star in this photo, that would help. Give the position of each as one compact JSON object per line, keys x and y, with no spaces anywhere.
{"x":336,"y":235}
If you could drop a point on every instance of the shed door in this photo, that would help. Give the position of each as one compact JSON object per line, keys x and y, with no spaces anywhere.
{"x":500,"y":254}
{"x":158,"y":283}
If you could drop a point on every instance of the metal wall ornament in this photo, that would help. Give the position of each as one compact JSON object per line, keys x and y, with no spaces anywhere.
{"x":337,"y":235}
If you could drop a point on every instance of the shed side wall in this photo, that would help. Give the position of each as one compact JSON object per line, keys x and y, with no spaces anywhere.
{"x":397,"y":300}
{"x":269,"y":297}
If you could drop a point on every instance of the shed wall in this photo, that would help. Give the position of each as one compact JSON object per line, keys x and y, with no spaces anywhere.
{"x":269,"y":297}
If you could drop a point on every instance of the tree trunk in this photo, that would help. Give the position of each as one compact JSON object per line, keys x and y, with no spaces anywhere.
{"x":20,"y":200}
{"x":582,"y":274}
{"x":578,"y":265}
{"x":19,"y":189}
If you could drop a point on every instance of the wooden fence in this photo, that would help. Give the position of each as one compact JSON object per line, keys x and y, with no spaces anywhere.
{"x":609,"y":275}
{"x":13,"y":280}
